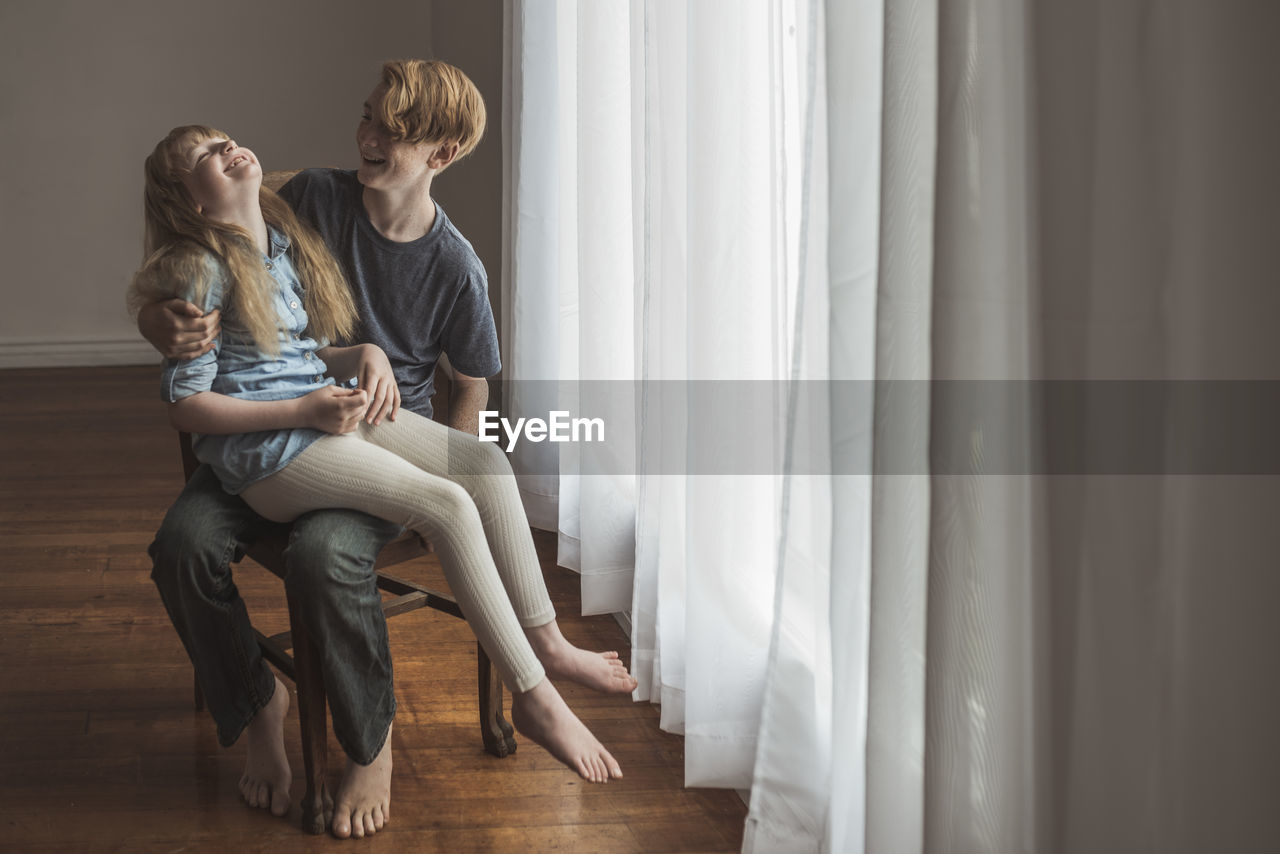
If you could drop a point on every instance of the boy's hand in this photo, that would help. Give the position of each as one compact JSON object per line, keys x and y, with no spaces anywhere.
{"x":374,"y":376}
{"x":179,"y":329}
{"x":333,"y":409}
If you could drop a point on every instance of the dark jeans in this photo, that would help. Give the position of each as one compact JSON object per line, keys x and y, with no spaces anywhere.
{"x":329,"y":572}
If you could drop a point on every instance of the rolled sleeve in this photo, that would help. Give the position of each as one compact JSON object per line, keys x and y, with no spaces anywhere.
{"x":183,"y":379}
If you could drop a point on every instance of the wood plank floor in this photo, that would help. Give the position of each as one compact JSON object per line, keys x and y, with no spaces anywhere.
{"x":101,"y":749}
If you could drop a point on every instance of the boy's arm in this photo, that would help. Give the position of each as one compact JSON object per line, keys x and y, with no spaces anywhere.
{"x":179,"y":329}
{"x":468,"y":396}
{"x":331,"y":409}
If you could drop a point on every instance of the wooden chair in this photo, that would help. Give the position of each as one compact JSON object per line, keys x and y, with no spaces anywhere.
{"x":303,"y":667}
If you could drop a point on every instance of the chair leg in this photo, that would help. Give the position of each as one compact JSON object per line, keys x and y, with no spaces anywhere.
{"x":317,"y":803}
{"x":497,"y":733}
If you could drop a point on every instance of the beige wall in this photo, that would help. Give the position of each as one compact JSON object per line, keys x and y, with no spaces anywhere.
{"x":87,"y":87}
{"x":469,"y":35}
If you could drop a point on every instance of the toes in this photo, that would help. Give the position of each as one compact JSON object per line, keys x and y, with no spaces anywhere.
{"x":369,"y":826}
{"x":594,"y":769}
{"x":341,"y":825}
{"x":378,"y":819}
{"x":279,"y":803}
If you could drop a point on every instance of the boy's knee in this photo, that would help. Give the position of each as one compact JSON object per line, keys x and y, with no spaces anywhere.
{"x":186,"y":550}
{"x":202,"y":533}
{"x":334,"y":545}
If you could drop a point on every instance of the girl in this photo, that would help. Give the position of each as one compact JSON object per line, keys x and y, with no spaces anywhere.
{"x":278,"y":430}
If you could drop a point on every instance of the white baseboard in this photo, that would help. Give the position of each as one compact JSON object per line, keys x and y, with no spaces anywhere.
{"x":78,"y":353}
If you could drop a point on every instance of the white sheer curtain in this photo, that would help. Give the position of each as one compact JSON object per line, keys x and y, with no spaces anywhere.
{"x":648,"y":200}
{"x":940,"y":648}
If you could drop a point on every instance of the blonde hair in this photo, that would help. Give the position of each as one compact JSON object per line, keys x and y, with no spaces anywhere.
{"x":431,"y":101}
{"x":179,"y":239}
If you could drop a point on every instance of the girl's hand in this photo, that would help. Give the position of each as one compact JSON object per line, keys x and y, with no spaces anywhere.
{"x":333,"y":409}
{"x":374,"y":376}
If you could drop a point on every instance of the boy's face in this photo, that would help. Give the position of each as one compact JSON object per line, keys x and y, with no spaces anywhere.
{"x":387,"y":164}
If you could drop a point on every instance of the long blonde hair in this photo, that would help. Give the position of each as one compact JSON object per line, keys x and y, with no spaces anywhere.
{"x":179,"y":238}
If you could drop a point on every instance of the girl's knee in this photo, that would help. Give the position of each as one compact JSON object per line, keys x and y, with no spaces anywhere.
{"x":487,"y":459}
{"x":453,"y":503}
{"x":448,"y":511}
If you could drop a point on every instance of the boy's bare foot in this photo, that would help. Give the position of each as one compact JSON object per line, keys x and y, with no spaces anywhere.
{"x":542,"y":715}
{"x":601,"y":671}
{"x":267,"y":776}
{"x":363,"y":804}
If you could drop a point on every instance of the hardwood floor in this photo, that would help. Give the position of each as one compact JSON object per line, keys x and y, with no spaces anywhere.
{"x":100,"y":745}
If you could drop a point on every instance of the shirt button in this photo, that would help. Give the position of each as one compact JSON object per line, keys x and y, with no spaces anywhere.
{"x":306,"y":355}
{"x":319,"y":378}
{"x":293,"y":304}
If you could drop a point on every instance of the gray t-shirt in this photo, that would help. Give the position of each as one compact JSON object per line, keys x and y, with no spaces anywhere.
{"x":415,"y":299}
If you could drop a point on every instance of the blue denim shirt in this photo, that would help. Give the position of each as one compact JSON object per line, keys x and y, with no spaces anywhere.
{"x":236,"y":367}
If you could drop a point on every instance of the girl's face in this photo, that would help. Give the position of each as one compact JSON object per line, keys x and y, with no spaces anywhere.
{"x":220,"y":175}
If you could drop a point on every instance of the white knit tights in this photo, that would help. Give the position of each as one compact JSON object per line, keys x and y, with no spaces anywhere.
{"x":457,"y":492}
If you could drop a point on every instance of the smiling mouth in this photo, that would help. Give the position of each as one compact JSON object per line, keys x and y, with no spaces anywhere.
{"x":236,"y":161}
{"x":372,"y":160}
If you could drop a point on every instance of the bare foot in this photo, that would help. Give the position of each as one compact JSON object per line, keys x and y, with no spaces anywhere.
{"x":542,"y":715}
{"x":267,"y":776}
{"x":363,"y":804}
{"x":600,"y":671}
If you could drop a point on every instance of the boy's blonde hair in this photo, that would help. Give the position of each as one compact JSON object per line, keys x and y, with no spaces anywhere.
{"x":432,"y":102}
{"x":179,"y":239}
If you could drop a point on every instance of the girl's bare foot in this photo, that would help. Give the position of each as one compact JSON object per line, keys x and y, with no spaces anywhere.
{"x":601,"y":671}
{"x":267,"y":776}
{"x":542,"y":715}
{"x":363,"y":804}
